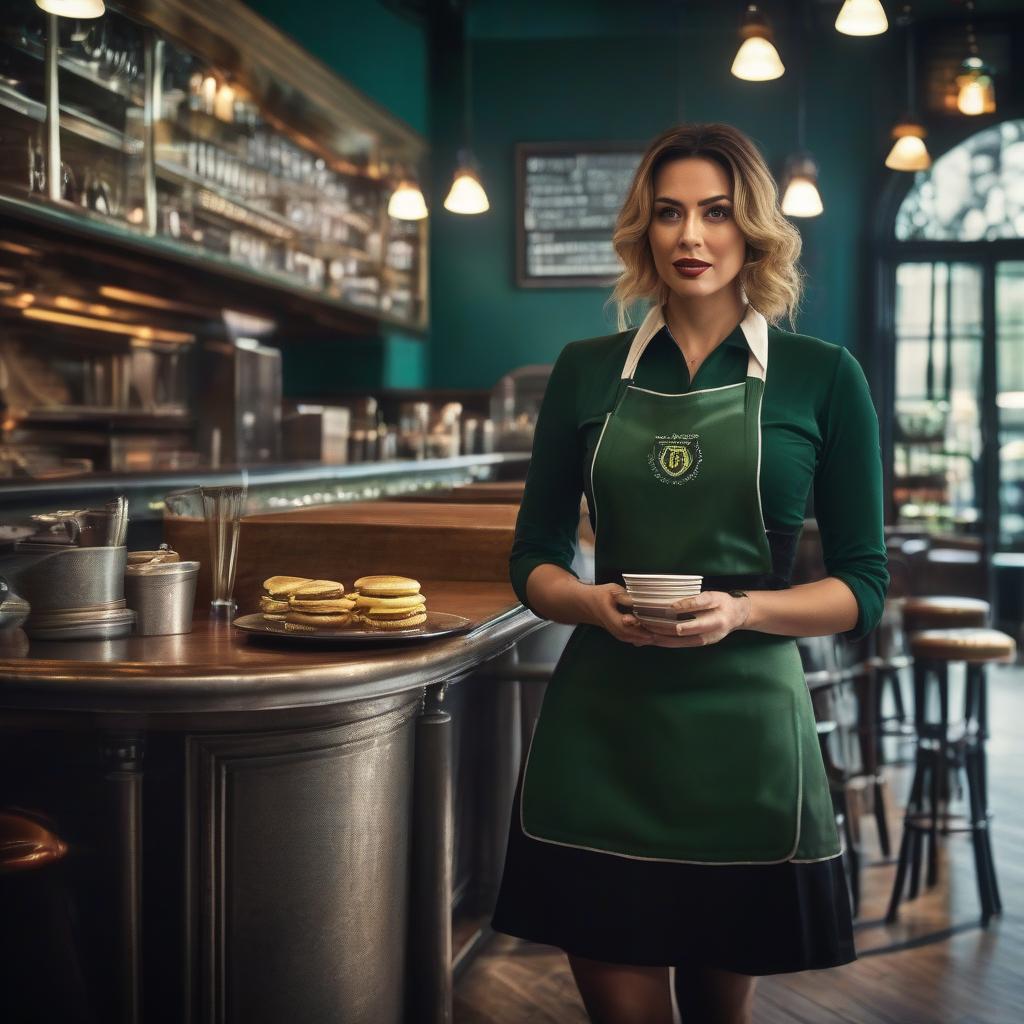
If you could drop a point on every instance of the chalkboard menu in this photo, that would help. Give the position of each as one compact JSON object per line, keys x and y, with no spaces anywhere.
{"x":568,"y":197}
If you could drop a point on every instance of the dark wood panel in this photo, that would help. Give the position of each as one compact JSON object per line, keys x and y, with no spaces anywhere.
{"x":496,"y":492}
{"x":343,"y":542}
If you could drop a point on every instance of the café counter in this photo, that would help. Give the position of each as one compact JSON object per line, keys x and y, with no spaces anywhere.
{"x":262,"y":831}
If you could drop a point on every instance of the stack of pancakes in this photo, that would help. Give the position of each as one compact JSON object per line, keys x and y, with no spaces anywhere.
{"x":274,"y":603}
{"x":305,"y":604}
{"x":319,"y":604}
{"x":389,"y":602}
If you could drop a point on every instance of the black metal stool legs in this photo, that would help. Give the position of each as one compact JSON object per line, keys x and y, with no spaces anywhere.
{"x":984,"y":864}
{"x":884,"y":842}
{"x":941,"y":756}
{"x":910,"y":836}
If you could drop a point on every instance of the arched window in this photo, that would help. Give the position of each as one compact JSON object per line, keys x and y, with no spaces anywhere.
{"x":973,"y":193}
{"x":951,"y":340}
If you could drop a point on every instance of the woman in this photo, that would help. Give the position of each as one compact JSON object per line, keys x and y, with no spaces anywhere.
{"x":673,"y":810}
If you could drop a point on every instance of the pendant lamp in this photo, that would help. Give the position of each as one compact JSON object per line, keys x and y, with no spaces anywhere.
{"x":861,"y":18}
{"x":407,"y":202}
{"x":909,"y":152}
{"x":467,"y":195}
{"x":72,"y":8}
{"x":756,"y":60}
{"x":976,"y":93}
{"x":801,"y":197}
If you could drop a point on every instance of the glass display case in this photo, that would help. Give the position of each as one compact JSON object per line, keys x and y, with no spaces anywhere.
{"x":219,"y":157}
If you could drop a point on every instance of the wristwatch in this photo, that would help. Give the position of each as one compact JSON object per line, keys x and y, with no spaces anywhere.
{"x":738,"y":593}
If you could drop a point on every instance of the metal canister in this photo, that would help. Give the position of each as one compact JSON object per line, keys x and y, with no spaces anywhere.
{"x":162,"y":595}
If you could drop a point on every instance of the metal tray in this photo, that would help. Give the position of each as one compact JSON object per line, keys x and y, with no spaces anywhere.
{"x":438,"y":624}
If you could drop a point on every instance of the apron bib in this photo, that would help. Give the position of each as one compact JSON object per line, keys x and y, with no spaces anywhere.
{"x":695,"y":755}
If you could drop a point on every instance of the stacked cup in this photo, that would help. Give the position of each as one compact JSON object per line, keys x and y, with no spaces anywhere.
{"x":654,"y":594}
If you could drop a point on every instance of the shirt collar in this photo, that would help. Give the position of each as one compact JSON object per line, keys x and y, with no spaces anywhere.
{"x":750,"y":333}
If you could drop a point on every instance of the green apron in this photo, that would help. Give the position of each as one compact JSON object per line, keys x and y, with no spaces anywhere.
{"x":694,"y":755}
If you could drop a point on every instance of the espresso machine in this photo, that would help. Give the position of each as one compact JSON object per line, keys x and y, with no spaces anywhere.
{"x":239,"y":402}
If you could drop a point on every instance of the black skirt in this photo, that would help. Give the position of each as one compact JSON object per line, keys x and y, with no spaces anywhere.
{"x":750,"y":919}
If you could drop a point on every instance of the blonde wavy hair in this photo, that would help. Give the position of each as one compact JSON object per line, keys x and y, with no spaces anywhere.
{"x":770,"y":275}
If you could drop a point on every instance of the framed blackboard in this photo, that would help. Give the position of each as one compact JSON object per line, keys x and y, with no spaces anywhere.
{"x":568,"y":195}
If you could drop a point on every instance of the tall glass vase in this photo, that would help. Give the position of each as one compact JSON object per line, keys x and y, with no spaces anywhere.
{"x":221,"y":509}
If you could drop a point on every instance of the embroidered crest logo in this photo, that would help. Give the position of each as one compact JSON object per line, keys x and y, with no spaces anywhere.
{"x":675,"y":458}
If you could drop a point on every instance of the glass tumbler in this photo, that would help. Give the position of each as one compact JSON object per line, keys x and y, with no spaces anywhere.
{"x":222,"y":507}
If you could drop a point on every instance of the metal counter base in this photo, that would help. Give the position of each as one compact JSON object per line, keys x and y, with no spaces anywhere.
{"x":246,"y":850}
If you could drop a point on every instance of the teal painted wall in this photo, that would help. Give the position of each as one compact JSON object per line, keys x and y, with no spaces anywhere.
{"x":367,"y":44}
{"x":596,"y":70}
{"x":611,"y":71}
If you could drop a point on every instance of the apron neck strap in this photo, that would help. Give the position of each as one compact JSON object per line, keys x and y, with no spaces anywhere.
{"x":753,"y":325}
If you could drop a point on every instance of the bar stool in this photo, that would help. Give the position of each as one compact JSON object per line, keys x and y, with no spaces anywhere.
{"x":40,"y":974}
{"x":944,"y":612}
{"x":891,"y":660}
{"x":843,"y":680}
{"x":943,"y":749}
{"x":901,"y":617}
{"x":25,"y":844}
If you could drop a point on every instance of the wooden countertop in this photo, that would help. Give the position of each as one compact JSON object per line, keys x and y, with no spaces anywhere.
{"x":219,"y":668}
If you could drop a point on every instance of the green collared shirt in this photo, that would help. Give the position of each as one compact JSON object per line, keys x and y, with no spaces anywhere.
{"x":819,"y":443}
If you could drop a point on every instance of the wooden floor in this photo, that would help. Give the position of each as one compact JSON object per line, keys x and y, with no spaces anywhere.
{"x":936,"y":966}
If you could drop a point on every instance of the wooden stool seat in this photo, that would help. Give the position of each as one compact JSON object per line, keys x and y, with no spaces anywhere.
{"x":26,"y":844}
{"x":945,"y":612}
{"x":969,"y":645}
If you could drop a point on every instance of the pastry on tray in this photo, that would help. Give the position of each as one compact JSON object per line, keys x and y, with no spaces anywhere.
{"x":319,"y":604}
{"x":274,"y":602}
{"x":389,"y":602}
{"x":383,"y":603}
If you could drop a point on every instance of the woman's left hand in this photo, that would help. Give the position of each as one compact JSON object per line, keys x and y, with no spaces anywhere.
{"x":717,"y":615}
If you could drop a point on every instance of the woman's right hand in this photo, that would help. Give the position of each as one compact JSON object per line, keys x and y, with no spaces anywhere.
{"x":602,"y":603}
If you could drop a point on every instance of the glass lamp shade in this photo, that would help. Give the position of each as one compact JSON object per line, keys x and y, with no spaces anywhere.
{"x":407,"y":202}
{"x":72,"y":8}
{"x":467,"y":195}
{"x":757,"y":60}
{"x":977,"y":94}
{"x":861,"y":18}
{"x":802,"y":198}
{"x":909,"y":153}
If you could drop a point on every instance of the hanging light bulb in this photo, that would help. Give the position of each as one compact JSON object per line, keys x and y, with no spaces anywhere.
{"x":756,"y":60}
{"x":977,"y":93}
{"x":466,"y":195}
{"x":801,"y":198}
{"x":407,"y":202}
{"x":72,"y":8}
{"x":908,"y":153}
{"x":861,"y":18}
